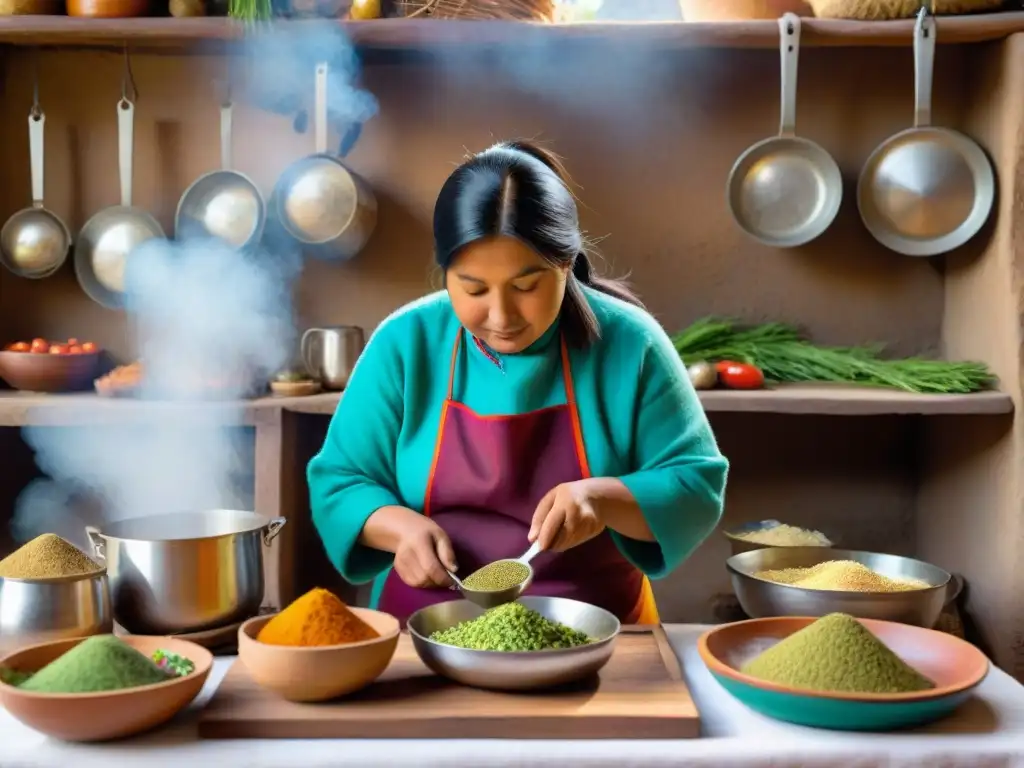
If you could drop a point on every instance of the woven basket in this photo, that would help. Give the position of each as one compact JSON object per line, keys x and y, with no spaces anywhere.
{"x":515,"y":10}
{"x":882,"y":10}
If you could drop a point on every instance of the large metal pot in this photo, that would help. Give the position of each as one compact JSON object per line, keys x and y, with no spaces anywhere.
{"x":185,"y":572}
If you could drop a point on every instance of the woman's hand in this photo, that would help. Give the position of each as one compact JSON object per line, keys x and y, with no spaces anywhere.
{"x":423,"y":553}
{"x":422,"y":549}
{"x":566,"y":517}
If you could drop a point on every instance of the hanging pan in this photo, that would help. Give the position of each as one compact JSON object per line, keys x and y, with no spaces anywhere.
{"x":108,"y":238}
{"x":785,"y":191}
{"x":34,"y":242}
{"x":222,"y":204}
{"x":926,"y":190}
{"x":319,"y":202}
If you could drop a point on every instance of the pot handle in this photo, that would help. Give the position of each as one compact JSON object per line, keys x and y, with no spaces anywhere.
{"x":98,"y":547}
{"x":273,"y":528}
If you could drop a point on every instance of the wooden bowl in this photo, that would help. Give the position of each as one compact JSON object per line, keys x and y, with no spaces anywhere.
{"x":294,"y":388}
{"x":32,"y":372}
{"x":108,"y":9}
{"x":107,"y":715}
{"x":955,"y":666}
{"x":319,"y":673}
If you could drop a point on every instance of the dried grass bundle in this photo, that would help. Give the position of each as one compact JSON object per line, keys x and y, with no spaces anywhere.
{"x":508,"y":10}
{"x":882,"y":10}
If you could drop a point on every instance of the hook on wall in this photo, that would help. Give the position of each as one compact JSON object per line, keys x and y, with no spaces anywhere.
{"x":129,"y":91}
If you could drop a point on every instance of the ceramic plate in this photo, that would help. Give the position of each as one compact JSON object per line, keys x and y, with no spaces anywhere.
{"x":955,"y":666}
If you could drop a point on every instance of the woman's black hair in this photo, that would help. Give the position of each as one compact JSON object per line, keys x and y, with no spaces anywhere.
{"x":519,"y":190}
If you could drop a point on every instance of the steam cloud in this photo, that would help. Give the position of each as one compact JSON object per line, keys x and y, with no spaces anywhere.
{"x":200,"y":314}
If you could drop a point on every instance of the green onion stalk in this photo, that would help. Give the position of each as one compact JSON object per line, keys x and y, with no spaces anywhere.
{"x":784,"y":356}
{"x":250,"y":10}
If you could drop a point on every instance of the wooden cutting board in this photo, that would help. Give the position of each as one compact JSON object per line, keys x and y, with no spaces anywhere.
{"x":640,"y":694}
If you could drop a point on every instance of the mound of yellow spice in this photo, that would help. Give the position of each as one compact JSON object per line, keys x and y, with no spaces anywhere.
{"x":840,"y":576}
{"x":317,"y":618}
{"x":836,"y":654}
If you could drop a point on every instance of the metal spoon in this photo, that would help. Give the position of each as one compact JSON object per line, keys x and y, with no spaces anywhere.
{"x":493,"y":599}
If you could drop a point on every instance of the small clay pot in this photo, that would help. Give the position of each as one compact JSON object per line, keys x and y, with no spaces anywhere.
{"x":108,"y":9}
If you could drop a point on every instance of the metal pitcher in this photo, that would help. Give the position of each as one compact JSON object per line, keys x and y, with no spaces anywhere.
{"x":330,"y":353}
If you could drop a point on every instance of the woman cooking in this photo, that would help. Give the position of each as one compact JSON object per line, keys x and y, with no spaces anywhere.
{"x":530,"y":401}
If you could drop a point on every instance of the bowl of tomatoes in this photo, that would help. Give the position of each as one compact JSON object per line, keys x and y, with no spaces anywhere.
{"x":41,"y":365}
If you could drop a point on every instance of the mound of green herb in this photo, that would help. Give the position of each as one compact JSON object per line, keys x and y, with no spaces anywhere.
{"x":99,"y":663}
{"x":511,"y":627}
{"x":836,"y":654}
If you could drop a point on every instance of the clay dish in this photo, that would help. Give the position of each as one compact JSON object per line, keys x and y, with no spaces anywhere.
{"x":32,"y":372}
{"x":108,"y":715}
{"x":955,"y":666}
{"x":319,"y":673}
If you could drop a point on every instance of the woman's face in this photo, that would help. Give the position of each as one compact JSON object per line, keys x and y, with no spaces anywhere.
{"x":504,"y":293}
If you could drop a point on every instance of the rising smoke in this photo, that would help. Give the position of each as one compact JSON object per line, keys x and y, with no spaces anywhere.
{"x":200,"y":314}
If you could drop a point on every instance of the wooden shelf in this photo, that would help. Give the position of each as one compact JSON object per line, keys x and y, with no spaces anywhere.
{"x":19,"y":409}
{"x":425,"y":34}
{"x":837,"y":400}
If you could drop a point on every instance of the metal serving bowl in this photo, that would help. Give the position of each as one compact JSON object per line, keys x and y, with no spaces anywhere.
{"x":38,"y":611}
{"x":739,"y":545}
{"x":516,"y":671}
{"x":760,"y":598}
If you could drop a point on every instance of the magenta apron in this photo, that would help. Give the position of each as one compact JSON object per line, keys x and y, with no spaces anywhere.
{"x":487,"y":477}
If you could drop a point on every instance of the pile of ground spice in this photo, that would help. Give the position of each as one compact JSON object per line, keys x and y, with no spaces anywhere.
{"x":99,"y":663}
{"x":317,"y":618}
{"x":783,"y":535}
{"x":499,"y":575}
{"x":840,"y":576}
{"x":836,"y":654}
{"x":46,"y":557}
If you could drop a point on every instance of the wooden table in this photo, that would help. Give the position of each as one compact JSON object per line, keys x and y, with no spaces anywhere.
{"x":986,"y":733}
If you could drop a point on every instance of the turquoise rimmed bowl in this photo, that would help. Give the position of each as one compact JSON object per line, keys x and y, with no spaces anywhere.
{"x":956,"y":667}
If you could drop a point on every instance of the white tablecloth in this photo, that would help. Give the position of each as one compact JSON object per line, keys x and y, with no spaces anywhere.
{"x":987,"y":732}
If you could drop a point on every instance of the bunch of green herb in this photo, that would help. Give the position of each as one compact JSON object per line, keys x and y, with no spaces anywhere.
{"x":784,"y":356}
{"x":250,"y":10}
{"x":511,"y":627}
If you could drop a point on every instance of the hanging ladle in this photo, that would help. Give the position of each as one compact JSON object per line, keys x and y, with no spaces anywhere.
{"x":494,"y":598}
{"x":34,"y":242}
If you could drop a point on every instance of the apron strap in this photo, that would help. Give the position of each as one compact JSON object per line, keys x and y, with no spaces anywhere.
{"x":570,"y":398}
{"x":455,"y":359}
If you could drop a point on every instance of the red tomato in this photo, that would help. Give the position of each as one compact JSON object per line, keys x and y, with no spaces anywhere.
{"x":740,"y":376}
{"x":88,"y":347}
{"x":72,"y":342}
{"x":20,"y":346}
{"x":58,"y":349}
{"x":74,"y":349}
{"x":40,"y":346}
